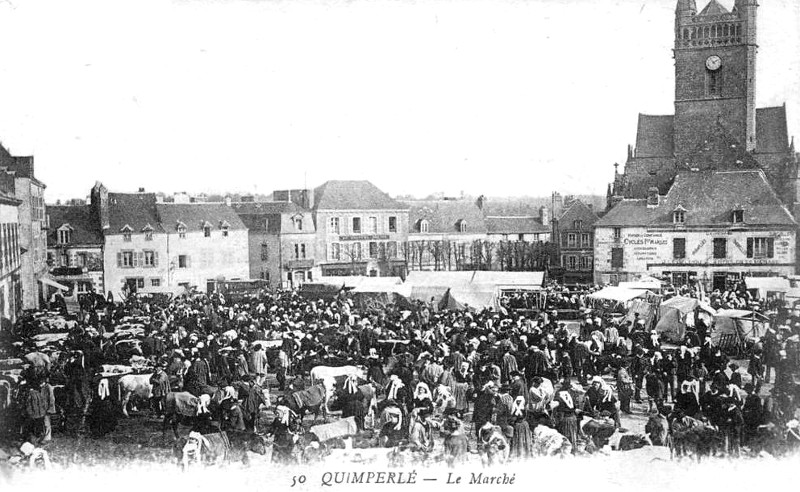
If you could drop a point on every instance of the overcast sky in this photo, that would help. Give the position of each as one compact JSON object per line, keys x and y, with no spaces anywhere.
{"x":494,"y":97}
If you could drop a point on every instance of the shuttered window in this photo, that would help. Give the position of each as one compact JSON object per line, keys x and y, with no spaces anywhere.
{"x":679,"y":248}
{"x":760,"y":247}
{"x":720,"y":248}
{"x":616,"y":258}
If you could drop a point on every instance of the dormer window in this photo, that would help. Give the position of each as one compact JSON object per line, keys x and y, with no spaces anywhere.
{"x":148,"y":232}
{"x":206,"y":229}
{"x":224,"y":226}
{"x":578,"y":224}
{"x":126,"y":233}
{"x":737,"y":216}
{"x":64,"y":234}
{"x":462,"y":226}
{"x":181,"y":228}
{"x":679,"y":215}
{"x":424,"y":226}
{"x":298,"y":223}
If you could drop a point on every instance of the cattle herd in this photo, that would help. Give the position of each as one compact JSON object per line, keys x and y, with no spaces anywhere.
{"x":280,"y":377}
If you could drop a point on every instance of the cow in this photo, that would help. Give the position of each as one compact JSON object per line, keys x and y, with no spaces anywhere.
{"x":184,"y":407}
{"x":692,"y":435}
{"x":314,"y":399}
{"x":133,"y":385}
{"x":339,"y":374}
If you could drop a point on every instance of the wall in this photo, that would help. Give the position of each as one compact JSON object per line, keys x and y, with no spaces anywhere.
{"x":32,"y":238}
{"x":9,"y":270}
{"x":92,"y":270}
{"x":209,"y":257}
{"x":115,"y":276}
{"x":651,"y":252}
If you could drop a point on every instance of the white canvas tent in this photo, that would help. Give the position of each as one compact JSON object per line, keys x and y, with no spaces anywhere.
{"x":477,"y":289}
{"x":677,"y":314}
{"x":766,"y":285}
{"x":644,"y":283}
{"x":735,"y":326}
{"x":617,"y":294}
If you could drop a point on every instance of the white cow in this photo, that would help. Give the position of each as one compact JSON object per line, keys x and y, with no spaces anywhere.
{"x":133,"y":384}
{"x":321,"y":373}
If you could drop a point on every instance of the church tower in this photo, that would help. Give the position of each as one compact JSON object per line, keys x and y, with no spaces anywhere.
{"x":715,"y":74}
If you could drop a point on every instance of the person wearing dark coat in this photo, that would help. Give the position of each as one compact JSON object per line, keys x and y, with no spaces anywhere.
{"x":536,"y":363}
{"x":484,"y":406}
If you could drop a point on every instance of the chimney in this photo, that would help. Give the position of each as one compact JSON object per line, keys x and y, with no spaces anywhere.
{"x":141,"y":190}
{"x":544,"y":216}
{"x":99,"y":203}
{"x":614,"y":201}
{"x":652,"y":197}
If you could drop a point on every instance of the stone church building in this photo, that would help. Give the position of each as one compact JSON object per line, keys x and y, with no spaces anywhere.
{"x":716,"y":125}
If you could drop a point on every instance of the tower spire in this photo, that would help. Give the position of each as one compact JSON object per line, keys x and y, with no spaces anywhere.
{"x":688,"y":7}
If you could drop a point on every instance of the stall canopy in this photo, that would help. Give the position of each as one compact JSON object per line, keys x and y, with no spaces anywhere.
{"x":355,"y":282}
{"x":739,"y":324}
{"x":475,"y":289}
{"x":53,"y":283}
{"x":617,"y":294}
{"x":644,"y":283}
{"x":765,"y":285}
{"x":678,"y":313}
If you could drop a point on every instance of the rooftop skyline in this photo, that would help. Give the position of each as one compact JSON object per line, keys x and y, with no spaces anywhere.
{"x":496,"y":98}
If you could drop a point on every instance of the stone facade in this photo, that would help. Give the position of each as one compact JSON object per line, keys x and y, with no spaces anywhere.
{"x":575,"y":242}
{"x":10,"y":257}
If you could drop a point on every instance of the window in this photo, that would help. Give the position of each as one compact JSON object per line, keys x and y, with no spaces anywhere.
{"x":578,"y":224}
{"x":462,"y":226}
{"x":720,"y":248}
{"x":424,"y":226}
{"x":679,"y":248}
{"x":679,"y":279}
{"x":356,"y":251}
{"x":585,"y":263}
{"x":737,"y":217}
{"x":571,"y":240}
{"x":373,"y":249}
{"x":155,"y":282}
{"x":714,"y":83}
{"x":149,"y":258}
{"x":521,"y":237}
{"x":264,"y":252}
{"x":617,"y":232}
{"x":392,"y":249}
{"x":126,"y":259}
{"x":81,"y":259}
{"x":182,"y":232}
{"x":571,"y":262}
{"x":64,"y":259}
{"x":616,"y":258}
{"x":224,"y":231}
{"x":126,"y":236}
{"x":760,"y":247}
{"x":336,"y":251}
{"x":206,"y":231}
{"x":299,"y":251}
{"x":64,"y":236}
{"x":183,"y":261}
{"x":679,"y":216}
{"x":148,"y":235}
{"x":310,"y":276}
{"x":392,"y":224}
{"x":140,"y":283}
{"x":584,"y":240}
{"x":356,"y":225}
{"x":298,"y":223}
{"x":266,"y":224}
{"x":373,"y":225}
{"x":334,"y":225}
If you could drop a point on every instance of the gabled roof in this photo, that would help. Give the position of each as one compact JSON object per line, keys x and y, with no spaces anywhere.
{"x":515,"y":225}
{"x":772,"y":134}
{"x":443,"y":216}
{"x":265,"y":208}
{"x":709,"y":198}
{"x":353,"y":195}
{"x":714,"y":8}
{"x":655,"y":136}
{"x":197,"y":215}
{"x":577,"y":211}
{"x":85,"y":229}
{"x":133,"y":209}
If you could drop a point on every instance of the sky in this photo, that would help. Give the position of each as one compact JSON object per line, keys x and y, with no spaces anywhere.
{"x":493,"y":97}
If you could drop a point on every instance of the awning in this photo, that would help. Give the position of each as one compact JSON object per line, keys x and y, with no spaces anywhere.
{"x":53,"y":283}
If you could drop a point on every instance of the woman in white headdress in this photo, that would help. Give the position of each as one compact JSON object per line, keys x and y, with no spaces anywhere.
{"x":564,"y":415}
{"x":423,"y":397}
{"x":522,"y":441}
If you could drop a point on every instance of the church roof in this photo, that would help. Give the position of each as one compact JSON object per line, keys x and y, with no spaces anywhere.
{"x":655,"y":136}
{"x":720,"y":150}
{"x":772,"y":134}
{"x":714,"y":8}
{"x":708,"y":198}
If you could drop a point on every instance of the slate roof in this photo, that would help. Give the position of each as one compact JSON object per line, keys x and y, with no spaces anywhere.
{"x":655,"y":136}
{"x":709,"y":199}
{"x":134,"y":209}
{"x":577,"y":211}
{"x":196,"y":215}
{"x":353,"y":195}
{"x":444,"y":216}
{"x":253,"y":214}
{"x":515,"y":225}
{"x":772,"y":133}
{"x":85,"y":227}
{"x":714,"y":8}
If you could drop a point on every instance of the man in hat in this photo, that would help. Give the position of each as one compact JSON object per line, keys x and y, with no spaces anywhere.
{"x":484,"y":408}
{"x":258,"y":363}
{"x":161,"y":388}
{"x":517,"y":385}
{"x":624,"y":387}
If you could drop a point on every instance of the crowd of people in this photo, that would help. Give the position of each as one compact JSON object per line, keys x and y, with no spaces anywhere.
{"x":527,"y":384}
